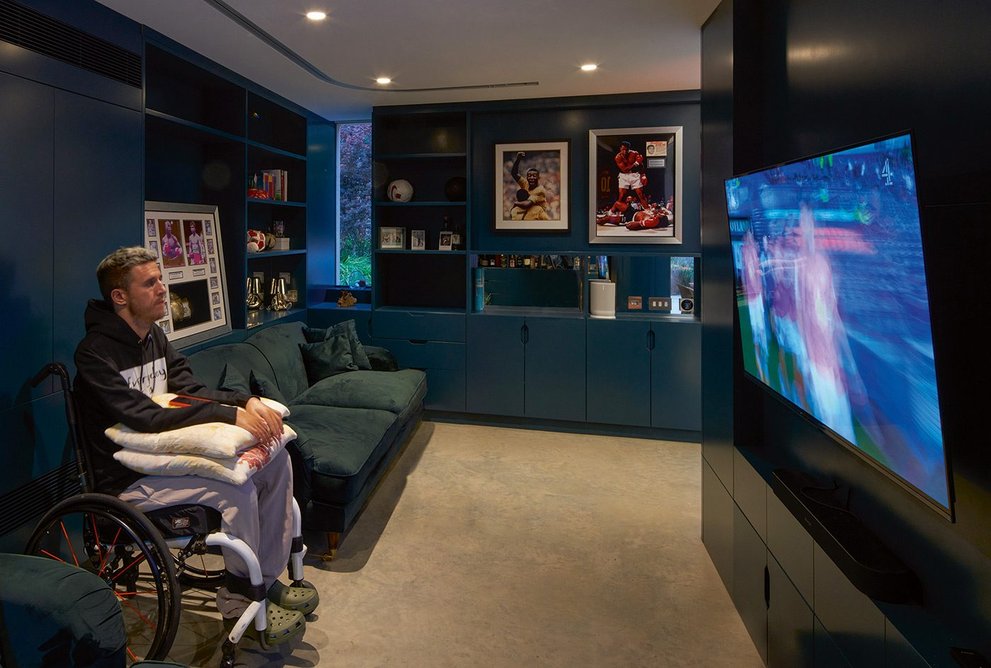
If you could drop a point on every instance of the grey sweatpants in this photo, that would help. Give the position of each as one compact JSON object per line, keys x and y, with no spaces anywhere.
{"x":259,"y":512}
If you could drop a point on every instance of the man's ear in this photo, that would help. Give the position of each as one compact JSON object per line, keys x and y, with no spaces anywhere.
{"x":118,"y":297}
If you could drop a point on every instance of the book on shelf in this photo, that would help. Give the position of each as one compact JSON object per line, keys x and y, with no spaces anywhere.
{"x":270,"y":184}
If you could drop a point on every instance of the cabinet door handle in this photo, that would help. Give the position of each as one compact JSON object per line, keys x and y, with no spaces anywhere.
{"x":418,"y":342}
{"x":524,"y":334}
{"x":650,"y":339}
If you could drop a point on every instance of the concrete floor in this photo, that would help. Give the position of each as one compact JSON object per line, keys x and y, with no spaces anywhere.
{"x":497,"y":547}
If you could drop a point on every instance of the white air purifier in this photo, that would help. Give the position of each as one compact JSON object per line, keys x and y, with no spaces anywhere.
{"x":602,"y":298}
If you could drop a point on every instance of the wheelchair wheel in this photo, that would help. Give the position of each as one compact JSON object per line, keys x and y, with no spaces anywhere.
{"x":108,"y":537}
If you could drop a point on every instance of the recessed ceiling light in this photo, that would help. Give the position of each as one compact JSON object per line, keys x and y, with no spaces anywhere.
{"x":589,"y":67}
{"x":316,"y":15}
{"x":383,"y":81}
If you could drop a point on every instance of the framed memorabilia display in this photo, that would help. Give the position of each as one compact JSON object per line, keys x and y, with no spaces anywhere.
{"x":392,"y":238}
{"x":531,"y":187}
{"x":418,"y":240}
{"x":186,"y":239}
{"x":634,"y":185}
{"x":445,"y":241}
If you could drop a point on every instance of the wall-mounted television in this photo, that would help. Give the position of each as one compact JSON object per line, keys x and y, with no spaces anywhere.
{"x":833,"y":306}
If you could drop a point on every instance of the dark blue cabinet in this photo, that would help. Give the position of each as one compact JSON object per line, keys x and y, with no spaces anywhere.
{"x":790,"y":638}
{"x":529,"y":366}
{"x":495,"y":365}
{"x":644,"y":373}
{"x":618,"y":372}
{"x":675,"y":372}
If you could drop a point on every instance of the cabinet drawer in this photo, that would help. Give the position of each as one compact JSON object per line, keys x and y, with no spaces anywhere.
{"x":418,"y":325}
{"x":428,"y":355}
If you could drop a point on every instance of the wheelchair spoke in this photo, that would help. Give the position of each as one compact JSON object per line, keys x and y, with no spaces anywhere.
{"x":68,"y":542}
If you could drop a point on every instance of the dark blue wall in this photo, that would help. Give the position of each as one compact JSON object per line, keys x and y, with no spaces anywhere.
{"x":71,"y":175}
{"x":808,"y":76}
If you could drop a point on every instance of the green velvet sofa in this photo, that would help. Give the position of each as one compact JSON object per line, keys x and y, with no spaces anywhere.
{"x":351,"y":424}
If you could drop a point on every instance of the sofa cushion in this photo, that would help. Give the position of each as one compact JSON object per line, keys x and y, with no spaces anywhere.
{"x":280,"y":346}
{"x":316,"y":334}
{"x":264,"y":386}
{"x":327,"y":358}
{"x":394,"y":391}
{"x":341,"y":447}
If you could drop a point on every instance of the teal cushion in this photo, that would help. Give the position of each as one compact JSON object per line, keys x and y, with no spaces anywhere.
{"x":314,"y":334}
{"x":233,"y":380}
{"x":55,"y":614}
{"x":341,"y":447}
{"x":357,"y":350}
{"x":394,"y":392}
{"x":264,"y":386}
{"x":327,"y":358}
{"x":317,"y":334}
{"x":280,"y":346}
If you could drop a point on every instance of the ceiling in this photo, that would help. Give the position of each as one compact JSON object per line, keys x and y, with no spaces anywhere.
{"x":438,"y":50}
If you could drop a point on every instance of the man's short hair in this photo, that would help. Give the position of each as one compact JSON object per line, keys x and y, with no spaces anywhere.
{"x":114,"y":271}
{"x":626,"y":144}
{"x":534,"y":170}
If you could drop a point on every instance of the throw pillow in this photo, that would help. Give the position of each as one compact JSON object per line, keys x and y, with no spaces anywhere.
{"x":233,"y":380}
{"x":327,"y":358}
{"x":314,"y":334}
{"x":357,"y":350}
{"x":264,"y":386}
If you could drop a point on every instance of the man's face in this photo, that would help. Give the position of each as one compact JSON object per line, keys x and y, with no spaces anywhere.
{"x":531,"y":179}
{"x":623,"y":149}
{"x":145,"y":293}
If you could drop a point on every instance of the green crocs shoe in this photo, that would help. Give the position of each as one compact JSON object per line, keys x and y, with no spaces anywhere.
{"x":283,"y":626}
{"x":299,"y":599}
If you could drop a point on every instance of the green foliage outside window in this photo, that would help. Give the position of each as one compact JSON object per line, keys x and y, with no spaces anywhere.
{"x":355,"y":202}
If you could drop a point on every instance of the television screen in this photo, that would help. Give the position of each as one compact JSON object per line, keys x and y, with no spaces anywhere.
{"x":833,"y":306}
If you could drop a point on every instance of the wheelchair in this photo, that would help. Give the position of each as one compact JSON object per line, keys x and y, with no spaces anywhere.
{"x":146,"y":558}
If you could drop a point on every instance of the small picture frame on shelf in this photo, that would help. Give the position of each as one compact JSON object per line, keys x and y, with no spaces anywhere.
{"x":392,"y":238}
{"x":446,"y":241}
{"x":418,"y":240}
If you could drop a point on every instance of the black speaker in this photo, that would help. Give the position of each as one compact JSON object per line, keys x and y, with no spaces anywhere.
{"x":687,"y":305}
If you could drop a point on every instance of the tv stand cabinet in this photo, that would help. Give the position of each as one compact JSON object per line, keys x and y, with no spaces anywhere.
{"x":870,"y":566}
{"x":798,"y":605}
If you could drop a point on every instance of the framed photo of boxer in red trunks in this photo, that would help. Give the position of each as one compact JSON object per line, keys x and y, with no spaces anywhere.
{"x":635,"y":178}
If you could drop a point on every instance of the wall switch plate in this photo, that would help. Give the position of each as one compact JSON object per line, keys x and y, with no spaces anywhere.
{"x":634,"y":303}
{"x":659,"y":303}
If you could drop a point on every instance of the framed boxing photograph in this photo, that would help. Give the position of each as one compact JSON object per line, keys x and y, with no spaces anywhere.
{"x":192,"y":270}
{"x":635,"y":185}
{"x":531,"y":187}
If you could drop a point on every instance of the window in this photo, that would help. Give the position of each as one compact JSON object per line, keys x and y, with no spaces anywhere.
{"x":354,"y":215}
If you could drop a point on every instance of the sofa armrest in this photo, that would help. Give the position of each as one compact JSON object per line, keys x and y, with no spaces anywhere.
{"x":381,"y":359}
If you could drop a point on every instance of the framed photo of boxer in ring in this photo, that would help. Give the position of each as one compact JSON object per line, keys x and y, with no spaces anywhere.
{"x":635,"y":185}
{"x":531,"y":187}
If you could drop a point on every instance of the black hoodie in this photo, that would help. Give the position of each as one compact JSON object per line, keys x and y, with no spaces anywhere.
{"x":117,"y":373}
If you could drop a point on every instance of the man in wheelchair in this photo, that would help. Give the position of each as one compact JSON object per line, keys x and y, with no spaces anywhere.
{"x":123,"y":361}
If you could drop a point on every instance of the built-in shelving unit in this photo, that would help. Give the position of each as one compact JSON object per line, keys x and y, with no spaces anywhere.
{"x":206,"y":138}
{"x":429,"y":150}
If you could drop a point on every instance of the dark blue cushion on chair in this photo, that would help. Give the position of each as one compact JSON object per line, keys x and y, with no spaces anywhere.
{"x":54,"y":614}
